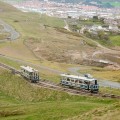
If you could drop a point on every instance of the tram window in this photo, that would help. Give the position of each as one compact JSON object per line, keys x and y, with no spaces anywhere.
{"x":72,"y":80}
{"x":76,"y":81}
{"x":36,"y":74}
{"x":80,"y":81}
{"x":68,"y":79}
{"x":86,"y":82}
{"x":30,"y":73}
{"x":95,"y":82}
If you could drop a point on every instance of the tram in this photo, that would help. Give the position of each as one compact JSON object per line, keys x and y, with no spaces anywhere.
{"x":80,"y":82}
{"x":30,"y":73}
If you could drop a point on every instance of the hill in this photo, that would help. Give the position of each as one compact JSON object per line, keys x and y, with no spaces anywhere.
{"x":40,"y":35}
{"x":22,"y":100}
{"x":39,"y":41}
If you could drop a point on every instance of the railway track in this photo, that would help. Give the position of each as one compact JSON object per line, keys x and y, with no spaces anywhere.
{"x":59,"y":88}
{"x":51,"y":85}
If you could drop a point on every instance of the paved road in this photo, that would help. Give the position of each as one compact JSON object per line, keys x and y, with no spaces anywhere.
{"x":7,"y":28}
{"x":104,"y":83}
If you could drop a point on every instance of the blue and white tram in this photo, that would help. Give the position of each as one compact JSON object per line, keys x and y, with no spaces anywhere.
{"x":80,"y":82}
{"x":30,"y":73}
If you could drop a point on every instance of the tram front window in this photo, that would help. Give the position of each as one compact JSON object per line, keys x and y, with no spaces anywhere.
{"x":68,"y":79}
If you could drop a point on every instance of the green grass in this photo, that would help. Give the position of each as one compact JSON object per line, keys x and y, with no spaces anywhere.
{"x":90,"y":22}
{"x":7,"y":100}
{"x":115,"y":40}
{"x":48,"y":110}
{"x":22,"y":90}
{"x":1,"y":27}
{"x":111,"y":112}
{"x":4,"y":36}
{"x":10,"y":62}
{"x":29,"y":24}
{"x":110,"y":90}
{"x":80,"y":23}
{"x":23,"y":101}
{"x":115,"y":4}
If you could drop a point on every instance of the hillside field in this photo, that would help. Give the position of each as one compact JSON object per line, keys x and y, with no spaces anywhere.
{"x":39,"y":38}
{"x":22,"y":100}
{"x":45,"y":45}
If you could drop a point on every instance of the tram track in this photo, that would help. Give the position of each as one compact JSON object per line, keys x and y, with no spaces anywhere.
{"x":51,"y":85}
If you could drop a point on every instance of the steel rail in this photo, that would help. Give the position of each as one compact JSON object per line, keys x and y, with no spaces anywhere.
{"x":51,"y":85}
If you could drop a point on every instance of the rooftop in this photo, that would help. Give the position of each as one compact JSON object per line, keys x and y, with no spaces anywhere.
{"x":29,"y":69}
{"x":78,"y":77}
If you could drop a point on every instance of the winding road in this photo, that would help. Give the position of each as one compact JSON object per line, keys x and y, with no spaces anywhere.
{"x":15,"y":35}
{"x":7,"y":28}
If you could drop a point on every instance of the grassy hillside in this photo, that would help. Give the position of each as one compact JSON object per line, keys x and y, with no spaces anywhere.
{"x":22,"y":90}
{"x":43,"y":41}
{"x":23,"y":101}
{"x":108,"y":113}
{"x":28,"y":25}
{"x":115,"y":40}
{"x":39,"y":38}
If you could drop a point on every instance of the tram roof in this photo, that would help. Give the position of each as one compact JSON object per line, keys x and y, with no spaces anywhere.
{"x":28,"y":68}
{"x":78,"y":77}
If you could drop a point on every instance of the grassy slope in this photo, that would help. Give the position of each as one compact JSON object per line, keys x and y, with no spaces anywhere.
{"x":34,"y":31}
{"x":35,"y":28}
{"x":46,"y":42}
{"x":106,"y":113}
{"x":23,"y":101}
{"x":40,"y":33}
{"x":28,"y":25}
{"x":115,"y":40}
